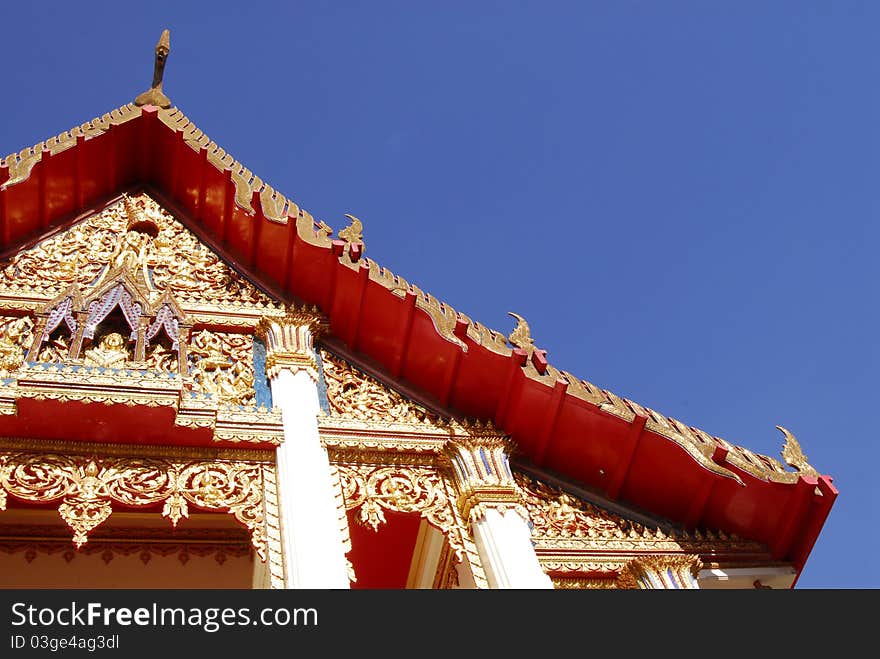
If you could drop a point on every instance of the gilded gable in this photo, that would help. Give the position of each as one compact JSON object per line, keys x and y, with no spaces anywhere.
{"x":138,"y":235}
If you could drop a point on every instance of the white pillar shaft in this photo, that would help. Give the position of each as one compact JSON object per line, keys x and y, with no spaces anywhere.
{"x":314,"y":556}
{"x":508,"y":556}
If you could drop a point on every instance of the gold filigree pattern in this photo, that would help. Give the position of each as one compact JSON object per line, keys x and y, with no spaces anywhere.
{"x":87,"y":487}
{"x":352,"y":394}
{"x":794,"y":456}
{"x":16,"y":336}
{"x":274,"y":551}
{"x":561,"y":521}
{"x":174,"y":259}
{"x":222,"y":365}
{"x":402,"y":489}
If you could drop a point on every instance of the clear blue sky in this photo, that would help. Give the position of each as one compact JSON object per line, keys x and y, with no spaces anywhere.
{"x":680,"y":197}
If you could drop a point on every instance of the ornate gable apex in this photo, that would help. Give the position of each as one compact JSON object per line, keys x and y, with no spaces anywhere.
{"x":133,"y":242}
{"x":558,"y":420}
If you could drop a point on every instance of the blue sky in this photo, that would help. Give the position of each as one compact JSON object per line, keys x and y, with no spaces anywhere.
{"x":681,"y":198}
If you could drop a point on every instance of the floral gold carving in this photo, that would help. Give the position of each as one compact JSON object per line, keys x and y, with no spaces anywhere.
{"x":352,"y":394}
{"x":88,"y":486}
{"x":223,"y":366}
{"x":109,"y":242}
{"x":374,"y":490}
{"x":16,"y":335}
{"x":562,"y":522}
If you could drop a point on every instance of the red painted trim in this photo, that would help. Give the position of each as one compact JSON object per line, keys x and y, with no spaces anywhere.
{"x":698,"y":503}
{"x":202,"y":189}
{"x":4,"y":227}
{"x":621,"y":469}
{"x":78,"y":172}
{"x":41,"y":187}
{"x":448,"y":386}
{"x":818,"y":513}
{"x":257,"y":219}
{"x":112,"y":162}
{"x":550,"y":418}
{"x":290,"y":252}
{"x":512,"y":385}
{"x":399,"y":360}
{"x":354,"y":322}
{"x":228,"y":203}
{"x":795,"y":512}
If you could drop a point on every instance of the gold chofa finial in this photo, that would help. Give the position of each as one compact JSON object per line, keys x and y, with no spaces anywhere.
{"x":154,"y":95}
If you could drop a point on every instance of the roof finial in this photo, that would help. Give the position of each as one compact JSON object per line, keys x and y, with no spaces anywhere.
{"x":154,"y":95}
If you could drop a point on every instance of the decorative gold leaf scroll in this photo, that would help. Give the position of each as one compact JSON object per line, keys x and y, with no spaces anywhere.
{"x":562,"y":522}
{"x":402,"y":489}
{"x":174,"y":259}
{"x":16,"y":335}
{"x":87,"y":487}
{"x":222,"y":365}
{"x":352,"y":394}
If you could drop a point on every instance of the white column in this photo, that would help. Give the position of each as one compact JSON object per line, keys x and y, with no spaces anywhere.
{"x":314,"y":555}
{"x":491,"y":502}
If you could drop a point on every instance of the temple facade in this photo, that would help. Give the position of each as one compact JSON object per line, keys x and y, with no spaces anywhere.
{"x":202,"y":386}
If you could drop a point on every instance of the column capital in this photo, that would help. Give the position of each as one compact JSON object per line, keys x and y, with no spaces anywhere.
{"x":480,"y":454}
{"x":661,"y":571}
{"x":290,"y":340}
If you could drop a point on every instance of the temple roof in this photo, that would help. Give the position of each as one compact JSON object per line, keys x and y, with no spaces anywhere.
{"x":558,"y":421}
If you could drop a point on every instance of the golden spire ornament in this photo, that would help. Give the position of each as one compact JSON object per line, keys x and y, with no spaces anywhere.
{"x":154,"y":95}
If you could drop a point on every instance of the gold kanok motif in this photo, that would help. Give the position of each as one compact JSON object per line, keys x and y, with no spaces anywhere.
{"x":87,"y":486}
{"x":174,"y":259}
{"x":222,"y":365}
{"x":562,"y":522}
{"x":352,"y":394}
{"x":16,"y":335}
{"x":401,"y":489}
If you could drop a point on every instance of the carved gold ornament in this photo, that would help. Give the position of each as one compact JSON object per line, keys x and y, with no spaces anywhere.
{"x":353,"y":233}
{"x":564,"y":523}
{"x":88,"y":486}
{"x":401,"y":489}
{"x":173,"y":259}
{"x":352,"y":394}
{"x":16,"y":335}
{"x":222,"y":365}
{"x":521,"y":336}
{"x":794,"y":456}
{"x":109,"y":353}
